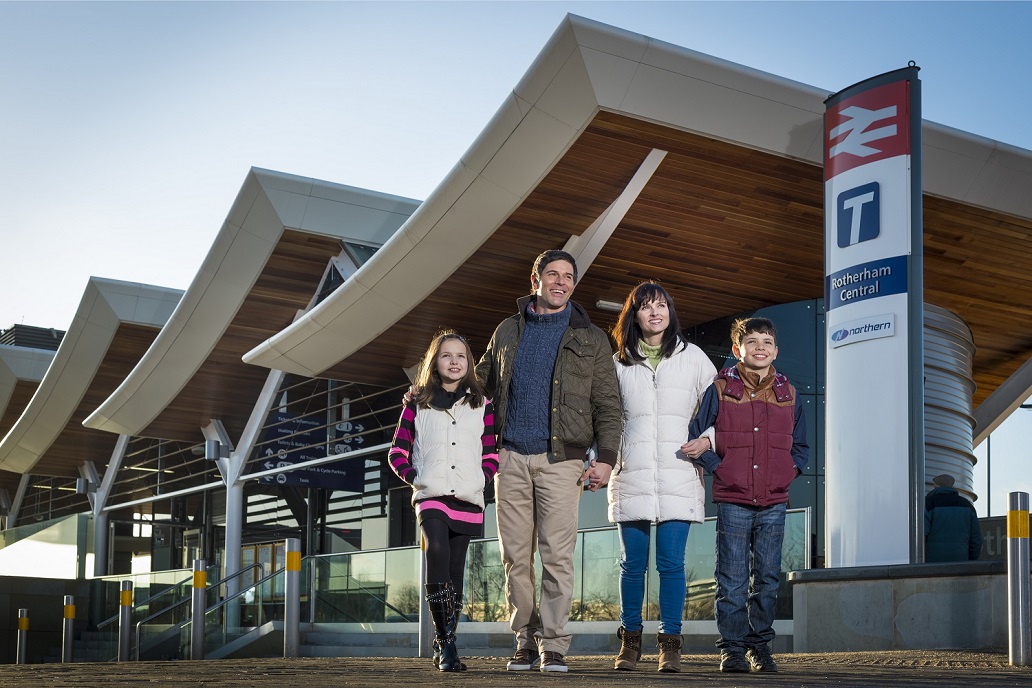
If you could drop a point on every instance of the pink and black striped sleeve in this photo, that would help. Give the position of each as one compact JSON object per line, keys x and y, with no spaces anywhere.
{"x":489,"y":453}
{"x":401,"y":448}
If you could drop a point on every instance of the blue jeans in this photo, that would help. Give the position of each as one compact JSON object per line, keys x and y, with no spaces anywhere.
{"x":748,"y":570}
{"x":671,"y":537}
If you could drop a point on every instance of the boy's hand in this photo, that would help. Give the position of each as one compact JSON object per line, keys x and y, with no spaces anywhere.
{"x":695,"y":448}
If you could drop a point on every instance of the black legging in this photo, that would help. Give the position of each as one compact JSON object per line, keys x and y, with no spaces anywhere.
{"x":445,"y":553}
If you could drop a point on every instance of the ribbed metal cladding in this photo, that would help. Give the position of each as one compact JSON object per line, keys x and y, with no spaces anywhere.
{"x":949,"y":425}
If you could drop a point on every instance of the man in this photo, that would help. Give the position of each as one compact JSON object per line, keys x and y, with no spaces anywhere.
{"x":951,"y":524}
{"x":550,"y":373}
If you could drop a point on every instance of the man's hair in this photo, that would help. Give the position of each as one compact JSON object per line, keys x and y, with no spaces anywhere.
{"x":744,"y":326}
{"x":542,"y":261}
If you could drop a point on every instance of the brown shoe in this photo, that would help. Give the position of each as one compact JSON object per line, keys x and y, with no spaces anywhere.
{"x":630,"y":649}
{"x":669,"y":652}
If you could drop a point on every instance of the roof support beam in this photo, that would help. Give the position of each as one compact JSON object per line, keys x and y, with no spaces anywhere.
{"x":586,"y":247}
{"x":998,"y":406}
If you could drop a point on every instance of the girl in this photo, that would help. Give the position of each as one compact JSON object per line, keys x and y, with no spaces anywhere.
{"x":662,"y":378}
{"x":444,"y":447}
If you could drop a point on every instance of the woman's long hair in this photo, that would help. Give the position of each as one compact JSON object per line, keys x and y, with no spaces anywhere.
{"x":627,"y":331}
{"x":428,"y":380}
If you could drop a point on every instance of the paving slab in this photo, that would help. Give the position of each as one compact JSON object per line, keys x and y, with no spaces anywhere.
{"x":943,"y":669}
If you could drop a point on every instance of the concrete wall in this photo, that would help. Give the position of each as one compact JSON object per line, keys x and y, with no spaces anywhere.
{"x":904,"y":607}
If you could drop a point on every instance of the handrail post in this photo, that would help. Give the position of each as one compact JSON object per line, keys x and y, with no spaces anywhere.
{"x":68,"y":634}
{"x":200,"y":586}
{"x":23,"y":635}
{"x":425,"y":632}
{"x":1019,"y":646}
{"x":125,"y":620}
{"x":292,"y":599}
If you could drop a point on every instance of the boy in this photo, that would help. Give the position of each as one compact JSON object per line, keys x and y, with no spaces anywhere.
{"x":761,"y":448}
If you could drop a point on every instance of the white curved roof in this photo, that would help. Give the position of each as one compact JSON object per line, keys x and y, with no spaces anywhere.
{"x":19,"y":363}
{"x":268,"y":204}
{"x":587,"y":67}
{"x":105,"y":305}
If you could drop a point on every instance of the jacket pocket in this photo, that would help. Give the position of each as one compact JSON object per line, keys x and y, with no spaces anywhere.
{"x":575,"y":419}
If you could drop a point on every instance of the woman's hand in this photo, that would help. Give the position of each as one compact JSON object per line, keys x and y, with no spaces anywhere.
{"x":695,"y":448}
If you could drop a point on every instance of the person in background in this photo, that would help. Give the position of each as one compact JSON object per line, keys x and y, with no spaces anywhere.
{"x":761,"y":448}
{"x":444,"y":447}
{"x":550,"y":372}
{"x":662,"y":378}
{"x":952,"y":532}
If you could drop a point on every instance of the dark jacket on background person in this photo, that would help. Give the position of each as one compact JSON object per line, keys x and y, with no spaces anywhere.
{"x":583,"y":380}
{"x":952,"y":532}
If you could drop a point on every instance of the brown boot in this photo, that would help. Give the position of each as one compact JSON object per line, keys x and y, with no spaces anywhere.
{"x":669,"y":652}
{"x":630,"y":649}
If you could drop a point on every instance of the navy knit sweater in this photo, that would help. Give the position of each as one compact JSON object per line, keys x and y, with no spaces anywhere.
{"x":528,"y":419}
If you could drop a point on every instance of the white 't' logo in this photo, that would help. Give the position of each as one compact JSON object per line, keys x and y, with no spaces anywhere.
{"x":858,"y":119}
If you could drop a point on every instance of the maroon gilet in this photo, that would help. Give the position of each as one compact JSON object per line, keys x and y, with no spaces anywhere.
{"x":754,"y":438}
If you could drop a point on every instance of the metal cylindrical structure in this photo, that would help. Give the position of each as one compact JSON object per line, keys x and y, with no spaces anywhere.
{"x":200,"y":587}
{"x":949,"y":423}
{"x":1019,"y":643}
{"x":125,"y":620}
{"x":292,"y":599}
{"x":23,"y":635}
{"x":68,"y":632}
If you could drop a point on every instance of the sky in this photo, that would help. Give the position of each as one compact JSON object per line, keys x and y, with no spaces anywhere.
{"x":127,"y":128}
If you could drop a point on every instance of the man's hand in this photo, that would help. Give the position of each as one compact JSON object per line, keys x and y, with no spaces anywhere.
{"x":695,"y":448}
{"x":597,"y":475}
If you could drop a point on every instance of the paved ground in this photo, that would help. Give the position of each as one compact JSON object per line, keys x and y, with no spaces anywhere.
{"x":839,"y":670}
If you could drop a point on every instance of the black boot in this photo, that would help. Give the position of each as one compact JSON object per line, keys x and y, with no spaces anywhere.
{"x":452,"y":625}
{"x":439,"y":600}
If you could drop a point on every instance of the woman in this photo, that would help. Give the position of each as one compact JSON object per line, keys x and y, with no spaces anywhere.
{"x":662,"y":378}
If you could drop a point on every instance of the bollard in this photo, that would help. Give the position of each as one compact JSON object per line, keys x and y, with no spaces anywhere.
{"x":125,"y":620}
{"x":1019,"y":644}
{"x":68,"y":635}
{"x":23,"y":634}
{"x":426,"y":626}
{"x":200,"y":586}
{"x":292,"y":599}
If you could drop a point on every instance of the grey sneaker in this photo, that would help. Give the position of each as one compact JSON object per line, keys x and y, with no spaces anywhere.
{"x":760,"y":659}
{"x":553,"y":661}
{"x":733,"y":661}
{"x":525,"y":659}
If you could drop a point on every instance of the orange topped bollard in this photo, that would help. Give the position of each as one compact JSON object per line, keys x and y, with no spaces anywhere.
{"x":1019,"y":645}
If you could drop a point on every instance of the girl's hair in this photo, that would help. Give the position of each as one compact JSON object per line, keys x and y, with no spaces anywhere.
{"x":428,"y":380}
{"x":627,"y":331}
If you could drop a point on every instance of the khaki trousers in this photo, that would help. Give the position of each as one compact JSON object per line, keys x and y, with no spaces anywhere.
{"x":537,"y":503}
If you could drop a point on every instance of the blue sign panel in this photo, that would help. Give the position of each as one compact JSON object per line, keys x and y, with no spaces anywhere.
{"x":291,"y":440}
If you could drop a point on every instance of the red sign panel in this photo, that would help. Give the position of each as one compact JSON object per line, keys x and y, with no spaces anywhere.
{"x":870,"y":126}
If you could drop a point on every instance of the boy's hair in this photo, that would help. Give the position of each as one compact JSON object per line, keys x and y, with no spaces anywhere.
{"x":542,"y":261}
{"x":744,"y":326}
{"x":627,"y":331}
{"x":428,"y":380}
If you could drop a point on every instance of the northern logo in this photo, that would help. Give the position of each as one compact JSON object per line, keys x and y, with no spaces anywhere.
{"x":839,"y":335}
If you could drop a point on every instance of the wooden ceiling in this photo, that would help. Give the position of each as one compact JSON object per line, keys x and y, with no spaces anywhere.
{"x":76,"y":444}
{"x":225,"y":387}
{"x":727,"y":229}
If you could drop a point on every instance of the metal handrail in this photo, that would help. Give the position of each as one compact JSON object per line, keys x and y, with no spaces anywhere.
{"x":166,"y":591}
{"x":156,"y":614}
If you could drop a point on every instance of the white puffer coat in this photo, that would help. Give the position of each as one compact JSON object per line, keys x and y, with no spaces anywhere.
{"x":654,"y":481}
